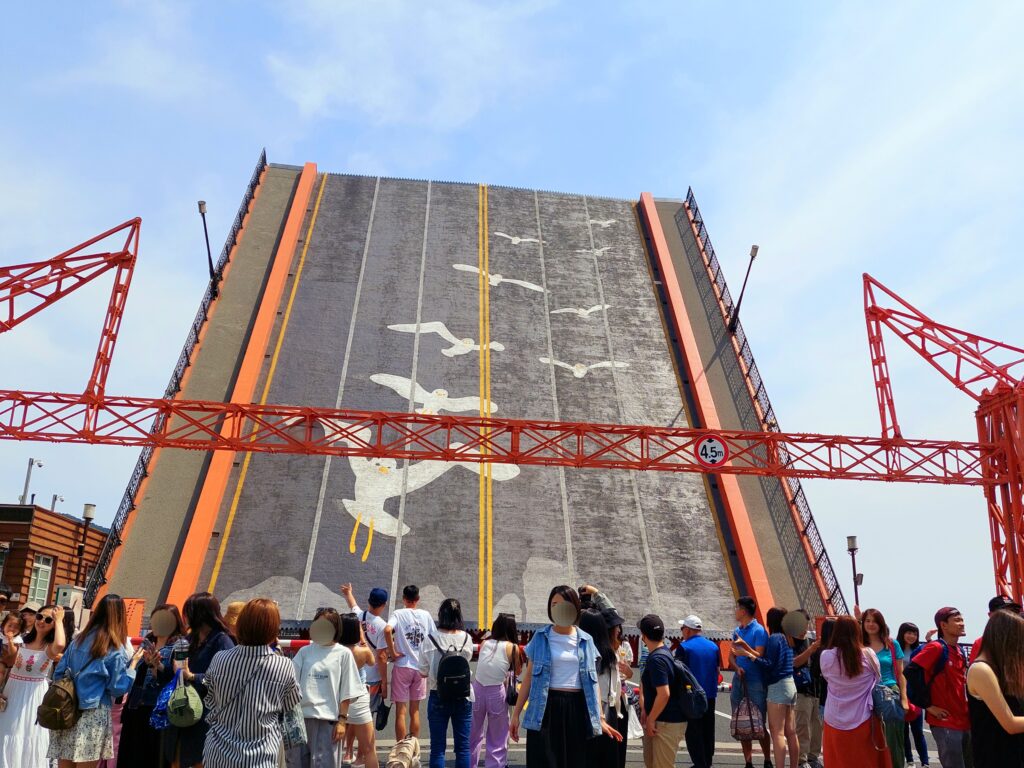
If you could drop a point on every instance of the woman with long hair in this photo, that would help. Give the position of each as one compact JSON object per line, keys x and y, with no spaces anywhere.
{"x":908,"y":638}
{"x":140,"y":743}
{"x":499,"y":653}
{"x":23,"y":743}
{"x":360,"y":719}
{"x":99,"y":664}
{"x":207,"y":636}
{"x":995,"y":684}
{"x":890,"y":661}
{"x":329,"y":683}
{"x":852,"y":737}
{"x":248,"y":688}
{"x":450,"y":637}
{"x":603,"y":751}
{"x":778,"y":658}
{"x":560,"y":685}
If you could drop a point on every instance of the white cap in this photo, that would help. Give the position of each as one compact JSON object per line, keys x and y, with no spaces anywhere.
{"x":691,"y":622}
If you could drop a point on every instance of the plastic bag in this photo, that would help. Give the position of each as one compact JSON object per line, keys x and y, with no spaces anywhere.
{"x":158,"y":721}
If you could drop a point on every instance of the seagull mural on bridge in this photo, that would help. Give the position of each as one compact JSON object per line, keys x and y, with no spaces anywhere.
{"x":584,"y":313}
{"x":594,"y":251}
{"x":433,"y":401}
{"x":579,"y":370}
{"x":603,"y":223}
{"x":516,"y":239}
{"x":379,"y":480}
{"x":497,"y":279}
{"x":458,"y":346}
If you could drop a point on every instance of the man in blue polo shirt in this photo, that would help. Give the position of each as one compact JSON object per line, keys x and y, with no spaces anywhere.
{"x":702,"y":657}
{"x":749,"y":678}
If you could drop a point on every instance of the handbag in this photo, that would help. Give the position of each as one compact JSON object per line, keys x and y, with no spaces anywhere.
{"x":747,"y":724}
{"x":158,"y":720}
{"x":184,"y":707}
{"x":380,"y":719}
{"x":293,"y":727}
{"x":884,"y":700}
{"x":634,"y":730}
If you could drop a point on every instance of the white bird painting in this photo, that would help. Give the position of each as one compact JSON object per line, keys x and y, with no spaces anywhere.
{"x":594,"y":251}
{"x":603,"y":223}
{"x":584,"y":313}
{"x":458,"y":346}
{"x":378,"y":480}
{"x":432,"y":402}
{"x":497,"y":279}
{"x":515,"y":239}
{"x":579,"y":370}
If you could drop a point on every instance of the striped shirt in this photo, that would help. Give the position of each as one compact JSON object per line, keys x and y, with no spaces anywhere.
{"x":247,"y":688}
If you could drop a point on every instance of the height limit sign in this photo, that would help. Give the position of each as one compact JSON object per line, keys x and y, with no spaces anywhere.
{"x":711,"y":452}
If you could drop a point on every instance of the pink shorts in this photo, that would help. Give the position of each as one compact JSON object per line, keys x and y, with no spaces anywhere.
{"x":407,"y":684}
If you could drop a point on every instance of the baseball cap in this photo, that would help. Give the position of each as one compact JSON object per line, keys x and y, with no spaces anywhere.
{"x":945,"y":614}
{"x":999,"y":602}
{"x":612,"y":618}
{"x":378,"y":597}
{"x":31,"y":606}
{"x":691,"y":622}
{"x":652,"y":626}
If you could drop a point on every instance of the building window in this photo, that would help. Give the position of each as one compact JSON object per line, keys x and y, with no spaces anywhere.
{"x":39,"y":585}
{"x":3,"y":562}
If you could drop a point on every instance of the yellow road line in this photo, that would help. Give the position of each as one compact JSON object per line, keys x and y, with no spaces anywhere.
{"x":488,"y":468}
{"x":482,"y":280}
{"x":266,"y":388}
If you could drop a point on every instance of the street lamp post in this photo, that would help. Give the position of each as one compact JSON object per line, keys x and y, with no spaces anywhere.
{"x":88,"y":515}
{"x":53,"y":502}
{"x":209,"y":253}
{"x":28,"y":478}
{"x":734,"y":320}
{"x":858,"y":578}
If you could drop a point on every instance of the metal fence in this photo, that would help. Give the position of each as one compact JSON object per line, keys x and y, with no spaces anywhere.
{"x":769,"y":423}
{"x":98,"y":576}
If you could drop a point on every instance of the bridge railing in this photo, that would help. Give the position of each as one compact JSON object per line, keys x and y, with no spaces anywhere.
{"x":809,"y":528}
{"x":97,"y":577}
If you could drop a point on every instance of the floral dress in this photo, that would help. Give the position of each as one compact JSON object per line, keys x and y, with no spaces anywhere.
{"x":23,"y":744}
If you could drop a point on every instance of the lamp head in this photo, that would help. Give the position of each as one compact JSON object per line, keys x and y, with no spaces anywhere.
{"x":753,"y":252}
{"x":202,"y":207}
{"x":851,"y":543}
{"x":89,"y":512}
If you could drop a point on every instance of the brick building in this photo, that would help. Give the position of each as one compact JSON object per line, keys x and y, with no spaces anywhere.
{"x":39,"y":550}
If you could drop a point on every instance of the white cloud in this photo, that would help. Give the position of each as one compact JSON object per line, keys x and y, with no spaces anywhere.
{"x":430,"y":64}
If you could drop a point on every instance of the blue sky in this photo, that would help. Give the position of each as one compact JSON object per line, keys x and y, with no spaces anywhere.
{"x":842,"y":138}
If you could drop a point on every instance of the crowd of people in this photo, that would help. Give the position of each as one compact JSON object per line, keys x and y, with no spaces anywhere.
{"x":204,"y":688}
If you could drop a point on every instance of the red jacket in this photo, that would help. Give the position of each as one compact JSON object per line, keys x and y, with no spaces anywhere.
{"x":949,"y":689}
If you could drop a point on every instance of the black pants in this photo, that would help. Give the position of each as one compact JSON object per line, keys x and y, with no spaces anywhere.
{"x":561,"y":740}
{"x":604,"y":751}
{"x":700,"y":738}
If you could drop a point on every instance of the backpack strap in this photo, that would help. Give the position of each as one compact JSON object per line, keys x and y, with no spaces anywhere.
{"x":436,"y":645}
{"x":466,"y":640}
{"x":365,"y":635}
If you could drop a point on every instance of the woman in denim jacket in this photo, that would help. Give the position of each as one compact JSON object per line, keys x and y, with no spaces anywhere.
{"x":140,"y":743}
{"x":560,"y":684}
{"x":97,"y":662}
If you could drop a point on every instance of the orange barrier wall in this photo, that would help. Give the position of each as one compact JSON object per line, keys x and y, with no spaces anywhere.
{"x":197,"y":542}
{"x":738,"y":519}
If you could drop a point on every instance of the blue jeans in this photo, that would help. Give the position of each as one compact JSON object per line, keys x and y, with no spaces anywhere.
{"x":439,"y":713}
{"x":954,"y":747}
{"x":916,"y":727}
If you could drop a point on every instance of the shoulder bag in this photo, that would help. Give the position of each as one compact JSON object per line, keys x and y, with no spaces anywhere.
{"x":884,"y":700}
{"x":747,"y":723}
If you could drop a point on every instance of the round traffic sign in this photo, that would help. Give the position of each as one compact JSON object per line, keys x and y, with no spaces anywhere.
{"x":711,"y":452}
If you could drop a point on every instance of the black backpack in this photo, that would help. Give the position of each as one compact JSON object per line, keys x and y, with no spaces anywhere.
{"x":686,"y":690}
{"x":453,"y":676}
{"x":919,"y":683}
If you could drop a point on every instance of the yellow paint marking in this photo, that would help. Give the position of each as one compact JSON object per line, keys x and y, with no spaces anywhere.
{"x":481,"y":608}
{"x":488,"y":468}
{"x":266,"y":389}
{"x":369,"y":541}
{"x":355,"y":530}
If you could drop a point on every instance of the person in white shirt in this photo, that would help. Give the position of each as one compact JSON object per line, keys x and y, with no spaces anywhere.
{"x":499,"y":656}
{"x":376,"y":674}
{"x":329,"y":682}
{"x":452,"y":700}
{"x":406,"y":632}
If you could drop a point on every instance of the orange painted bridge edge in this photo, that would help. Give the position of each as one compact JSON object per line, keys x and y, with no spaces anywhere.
{"x":736,"y":513}
{"x":140,"y":493}
{"x":200,"y":531}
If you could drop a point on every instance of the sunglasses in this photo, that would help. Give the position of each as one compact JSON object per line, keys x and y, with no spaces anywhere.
{"x":44,"y":619}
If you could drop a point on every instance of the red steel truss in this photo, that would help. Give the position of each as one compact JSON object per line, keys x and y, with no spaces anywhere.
{"x":984,"y":368}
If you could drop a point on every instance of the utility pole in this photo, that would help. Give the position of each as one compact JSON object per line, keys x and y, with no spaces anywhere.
{"x":734,"y":320}
{"x":28,"y":478}
{"x":209,"y":253}
{"x":858,"y":578}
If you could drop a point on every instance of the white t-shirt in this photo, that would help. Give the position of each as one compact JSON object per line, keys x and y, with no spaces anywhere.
{"x":493,"y":663}
{"x":565,"y":662}
{"x":430,"y":657}
{"x":327,"y":676}
{"x":411,"y":627}
{"x":373,"y":630}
